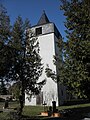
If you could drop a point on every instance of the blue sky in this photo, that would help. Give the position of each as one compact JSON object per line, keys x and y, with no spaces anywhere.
{"x":33,"y":9}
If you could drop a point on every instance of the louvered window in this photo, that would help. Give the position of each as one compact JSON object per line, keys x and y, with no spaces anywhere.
{"x":39,"y":31}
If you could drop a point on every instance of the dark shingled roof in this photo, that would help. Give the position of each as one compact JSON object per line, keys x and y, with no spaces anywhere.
{"x":44,"y":19}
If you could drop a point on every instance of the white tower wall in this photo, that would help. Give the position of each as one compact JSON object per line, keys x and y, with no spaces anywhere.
{"x":47,"y":37}
{"x":47,"y":50}
{"x":49,"y":90}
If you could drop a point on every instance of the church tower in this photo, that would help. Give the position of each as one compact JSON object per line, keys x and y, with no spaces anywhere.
{"x":47,"y":35}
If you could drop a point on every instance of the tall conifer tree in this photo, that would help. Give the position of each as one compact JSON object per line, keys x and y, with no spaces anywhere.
{"x":27,"y":67}
{"x":76,"y":71}
{"x":5,"y":57}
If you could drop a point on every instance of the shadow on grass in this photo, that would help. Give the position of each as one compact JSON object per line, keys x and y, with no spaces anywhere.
{"x":77,"y":113}
{"x":41,"y":118}
{"x":68,"y":114}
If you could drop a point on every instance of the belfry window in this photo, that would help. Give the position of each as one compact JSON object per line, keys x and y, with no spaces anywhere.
{"x":39,"y":31}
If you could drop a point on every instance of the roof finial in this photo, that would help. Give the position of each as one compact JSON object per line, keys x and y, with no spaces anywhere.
{"x":43,"y":19}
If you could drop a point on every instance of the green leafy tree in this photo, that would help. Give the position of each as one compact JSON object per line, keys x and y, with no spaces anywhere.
{"x":5,"y":56}
{"x":76,"y":72}
{"x":26,"y":67}
{"x":3,"y":89}
{"x":4,"y":38}
{"x":19,"y":56}
{"x":14,"y":90}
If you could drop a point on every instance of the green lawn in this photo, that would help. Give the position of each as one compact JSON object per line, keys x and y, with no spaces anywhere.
{"x":78,"y":111}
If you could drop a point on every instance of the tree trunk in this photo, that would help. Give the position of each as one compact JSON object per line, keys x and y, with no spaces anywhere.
{"x":21,"y":99}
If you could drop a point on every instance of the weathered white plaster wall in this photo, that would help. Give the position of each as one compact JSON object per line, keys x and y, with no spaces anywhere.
{"x":47,"y":50}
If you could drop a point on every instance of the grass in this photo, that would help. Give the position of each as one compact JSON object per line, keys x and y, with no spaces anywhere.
{"x":78,"y":111}
{"x":32,"y":110}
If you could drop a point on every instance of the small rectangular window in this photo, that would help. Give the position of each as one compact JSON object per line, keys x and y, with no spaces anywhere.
{"x":39,"y":31}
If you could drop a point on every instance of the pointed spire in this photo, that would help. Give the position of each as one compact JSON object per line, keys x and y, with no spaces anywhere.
{"x":44,"y":19}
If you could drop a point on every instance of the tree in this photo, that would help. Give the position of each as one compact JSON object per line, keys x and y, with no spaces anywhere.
{"x":4,"y":25}
{"x":19,"y":56}
{"x":14,"y":90}
{"x":4,"y":38}
{"x":26,"y":67}
{"x":5,"y":56}
{"x":76,"y":72}
{"x":3,"y":89}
